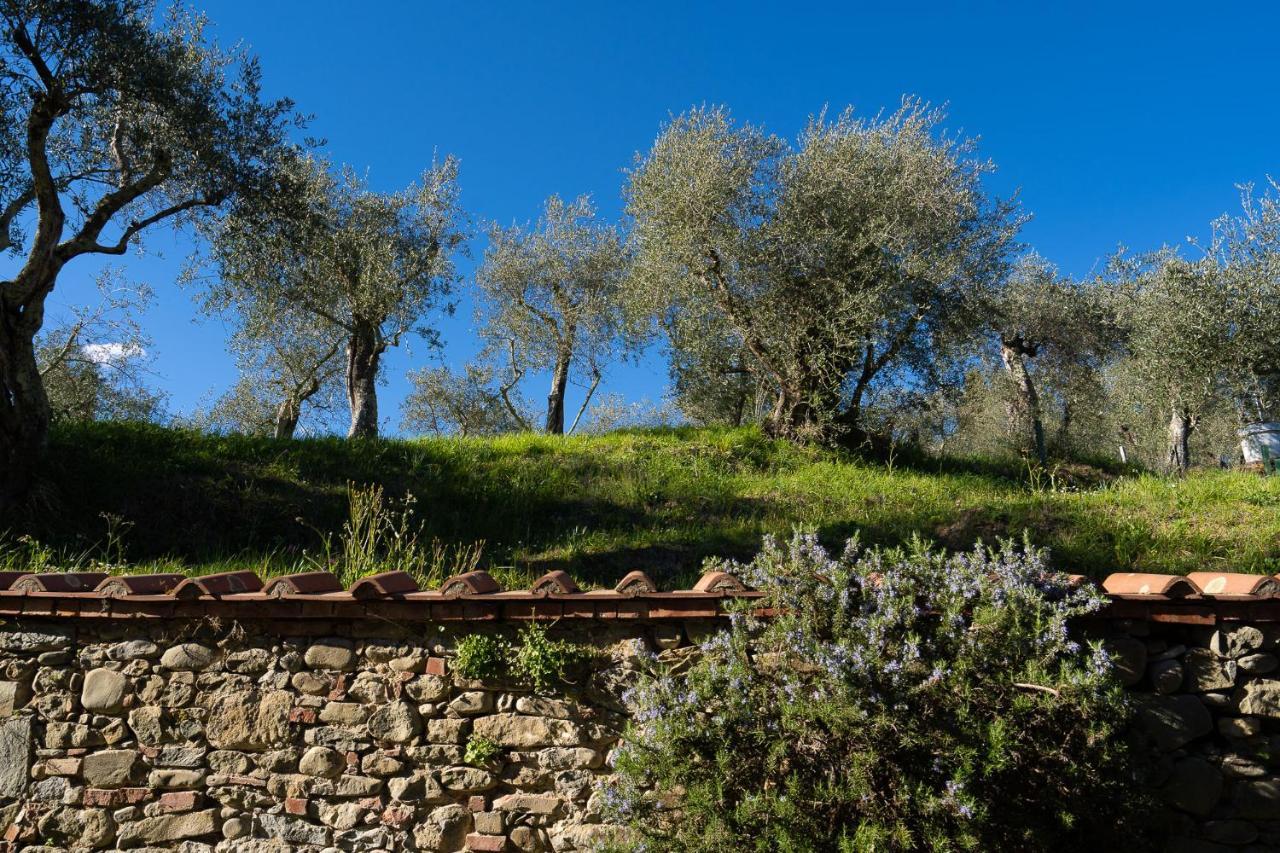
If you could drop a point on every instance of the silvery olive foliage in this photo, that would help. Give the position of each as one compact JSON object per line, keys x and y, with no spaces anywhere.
{"x":1054,"y":336}
{"x":114,"y":117}
{"x":895,"y":700}
{"x":325,"y":251}
{"x":850,"y":259}
{"x":290,"y":380}
{"x":96,"y":361}
{"x":1177,"y":314}
{"x":549,"y":300}
{"x":470,"y":402}
{"x":1246,"y":249}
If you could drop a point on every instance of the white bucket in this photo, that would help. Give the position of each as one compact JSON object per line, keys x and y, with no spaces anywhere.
{"x":1255,"y":437}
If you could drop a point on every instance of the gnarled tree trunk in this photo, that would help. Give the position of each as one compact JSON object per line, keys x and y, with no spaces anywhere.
{"x":287,"y":418}
{"x":24,"y":408}
{"x":290,"y":409}
{"x":1182,"y":422}
{"x":1026,"y":408}
{"x":555,"y":398}
{"x":364,"y":351}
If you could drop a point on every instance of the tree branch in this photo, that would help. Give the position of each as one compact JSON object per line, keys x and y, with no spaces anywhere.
{"x":11,"y":210}
{"x":28,"y":49}
{"x":505,"y":390}
{"x":65,"y":350}
{"x":725,"y":298}
{"x":86,"y":241}
{"x":595,"y":381}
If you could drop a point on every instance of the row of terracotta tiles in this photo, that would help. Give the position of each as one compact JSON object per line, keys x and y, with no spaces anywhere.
{"x":246,"y":585}
{"x":325,"y":586}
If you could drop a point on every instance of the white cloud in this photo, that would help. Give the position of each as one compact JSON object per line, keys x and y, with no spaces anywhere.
{"x":112,"y":353}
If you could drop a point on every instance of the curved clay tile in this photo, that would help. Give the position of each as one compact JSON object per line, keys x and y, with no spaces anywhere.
{"x":1138,"y":583}
{"x":7,"y":579}
{"x":384,"y":585}
{"x":557,"y":582}
{"x":304,"y":583}
{"x":122,"y":585}
{"x":636,"y":583}
{"x":470,"y":583}
{"x":1236,"y":583}
{"x":59,"y":582}
{"x":217,"y":585}
{"x":721,"y":582}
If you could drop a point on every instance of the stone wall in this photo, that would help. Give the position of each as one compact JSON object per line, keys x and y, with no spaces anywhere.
{"x":323,"y":721}
{"x":1208,"y":700}
{"x":213,"y":735}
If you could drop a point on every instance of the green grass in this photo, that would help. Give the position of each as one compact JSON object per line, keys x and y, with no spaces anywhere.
{"x":598,"y":506}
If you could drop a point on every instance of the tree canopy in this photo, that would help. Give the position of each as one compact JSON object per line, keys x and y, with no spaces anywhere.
{"x":550,"y":297}
{"x":113,"y":118}
{"x":368,"y":266}
{"x":862,"y":251}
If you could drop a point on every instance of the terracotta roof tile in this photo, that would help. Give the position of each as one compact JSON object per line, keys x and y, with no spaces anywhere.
{"x":636,"y":583}
{"x":1236,"y":584}
{"x":305,"y":583}
{"x":218,"y":585}
{"x":471,"y":583}
{"x":384,"y":585}
{"x":58,"y":582}
{"x":555,"y":583}
{"x":1219,"y":583}
{"x":122,"y":585}
{"x":1136,"y":583}
{"x":721,"y":582}
{"x":1199,"y":598}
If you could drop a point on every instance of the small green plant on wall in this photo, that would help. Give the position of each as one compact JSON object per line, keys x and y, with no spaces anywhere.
{"x":481,"y":752}
{"x":544,"y":662}
{"x":480,"y":656}
{"x":535,"y":658}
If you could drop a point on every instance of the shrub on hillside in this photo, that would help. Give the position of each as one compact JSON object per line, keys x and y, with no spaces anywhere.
{"x":898,"y":700}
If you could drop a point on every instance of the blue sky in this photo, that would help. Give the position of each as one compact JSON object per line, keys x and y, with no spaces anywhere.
{"x":1118,"y":123}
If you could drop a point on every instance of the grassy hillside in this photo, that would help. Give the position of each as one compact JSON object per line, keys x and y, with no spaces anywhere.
{"x":599,"y":505}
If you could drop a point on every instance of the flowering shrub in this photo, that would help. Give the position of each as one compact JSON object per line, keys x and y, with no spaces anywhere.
{"x":898,"y":700}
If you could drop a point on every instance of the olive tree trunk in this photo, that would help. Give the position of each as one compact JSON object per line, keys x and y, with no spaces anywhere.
{"x":1182,"y":422}
{"x":555,"y":398}
{"x":287,"y":418}
{"x":290,"y":409}
{"x":1026,"y":408}
{"x":364,"y":352}
{"x":24,"y":410}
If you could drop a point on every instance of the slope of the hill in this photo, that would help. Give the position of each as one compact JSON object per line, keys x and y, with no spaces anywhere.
{"x":598,"y":505}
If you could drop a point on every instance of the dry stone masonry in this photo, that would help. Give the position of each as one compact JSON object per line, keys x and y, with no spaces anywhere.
{"x":221,"y":714}
{"x":209,"y":737}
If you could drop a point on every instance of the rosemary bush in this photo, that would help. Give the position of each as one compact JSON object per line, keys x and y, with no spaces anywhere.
{"x":899,"y":700}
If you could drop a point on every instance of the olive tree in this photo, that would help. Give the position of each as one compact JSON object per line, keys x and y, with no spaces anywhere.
{"x":1177,"y":315}
{"x":710,"y":380}
{"x":851,"y":258}
{"x":1051,"y":331}
{"x":550,"y":298}
{"x":366,"y":266}
{"x":1246,"y":248}
{"x":287,"y":370}
{"x":444,"y":402}
{"x":111,"y":121}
